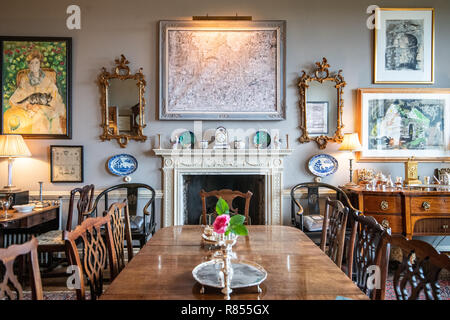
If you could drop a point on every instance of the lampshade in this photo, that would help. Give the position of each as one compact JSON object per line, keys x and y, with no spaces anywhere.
{"x":13,"y":146}
{"x":350,"y":143}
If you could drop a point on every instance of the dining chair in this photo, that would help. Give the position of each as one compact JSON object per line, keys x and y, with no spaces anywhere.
{"x":53,"y":241}
{"x":368,"y":255}
{"x":312,"y":192}
{"x":142,"y":226}
{"x":334,"y":227}
{"x":120,"y":232}
{"x":88,"y":250}
{"x":227,"y":195}
{"x":419,"y":269}
{"x":10,"y":287}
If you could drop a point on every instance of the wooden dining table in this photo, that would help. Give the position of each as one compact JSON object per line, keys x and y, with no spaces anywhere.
{"x":296,"y":267}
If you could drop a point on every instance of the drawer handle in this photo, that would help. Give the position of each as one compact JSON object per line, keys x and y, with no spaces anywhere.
{"x":384,"y":205}
{"x":445,"y":226}
{"x":426,"y":205}
{"x":385,"y":224}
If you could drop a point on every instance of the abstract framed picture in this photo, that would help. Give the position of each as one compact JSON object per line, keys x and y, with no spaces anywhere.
{"x":396,"y":124}
{"x":404,"y":45}
{"x":222,"y":70}
{"x":317,"y":117}
{"x":36,"y":87}
{"x":66,"y":164}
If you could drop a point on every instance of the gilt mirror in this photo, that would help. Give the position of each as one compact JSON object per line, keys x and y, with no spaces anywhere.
{"x":122,"y":102}
{"x":321,"y":105}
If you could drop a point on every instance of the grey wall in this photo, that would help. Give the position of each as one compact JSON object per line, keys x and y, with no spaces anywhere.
{"x":315,"y":29}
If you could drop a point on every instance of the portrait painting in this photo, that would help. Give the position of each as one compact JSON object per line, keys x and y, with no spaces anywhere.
{"x":404,"y":46}
{"x":36,"y":92}
{"x":231,"y":71}
{"x":405,"y":123}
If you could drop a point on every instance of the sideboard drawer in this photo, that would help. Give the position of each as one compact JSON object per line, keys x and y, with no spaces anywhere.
{"x":424,"y":205}
{"x":382,"y":204}
{"x":41,"y":218}
{"x":394,"y":221}
{"x":432,"y":226}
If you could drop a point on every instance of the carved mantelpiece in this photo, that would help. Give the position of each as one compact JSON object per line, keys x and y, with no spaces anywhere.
{"x":177,"y":163}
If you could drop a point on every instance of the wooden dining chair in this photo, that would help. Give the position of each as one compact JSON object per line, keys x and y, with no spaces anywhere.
{"x":419,"y":269}
{"x":334,"y":227}
{"x":53,"y":241}
{"x":368,"y":254}
{"x":94,"y":251}
{"x":227,"y":195}
{"x":120,"y":232}
{"x":305,"y":200}
{"x":142,"y":224}
{"x":10,"y":287}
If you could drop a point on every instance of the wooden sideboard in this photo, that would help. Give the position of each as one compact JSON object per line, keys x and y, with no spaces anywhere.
{"x":18,"y":227}
{"x":409,"y":211}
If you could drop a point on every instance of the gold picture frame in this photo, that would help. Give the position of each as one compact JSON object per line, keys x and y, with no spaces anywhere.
{"x":402,"y":62}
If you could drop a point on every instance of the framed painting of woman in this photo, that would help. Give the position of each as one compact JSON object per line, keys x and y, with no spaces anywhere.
{"x":36,"y":87}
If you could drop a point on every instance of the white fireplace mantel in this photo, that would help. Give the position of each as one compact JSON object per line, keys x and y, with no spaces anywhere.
{"x":180,"y":162}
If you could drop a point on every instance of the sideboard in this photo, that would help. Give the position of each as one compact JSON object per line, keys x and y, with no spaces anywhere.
{"x":408,"y":211}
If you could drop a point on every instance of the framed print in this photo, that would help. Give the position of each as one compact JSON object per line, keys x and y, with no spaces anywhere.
{"x":404,"y":45}
{"x":317,"y":117}
{"x":227,"y":70}
{"x":36,"y":87}
{"x":397,"y":124}
{"x":66,"y":164}
{"x":125,"y":123}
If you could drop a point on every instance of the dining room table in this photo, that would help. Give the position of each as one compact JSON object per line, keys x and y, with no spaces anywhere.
{"x":296,"y":268}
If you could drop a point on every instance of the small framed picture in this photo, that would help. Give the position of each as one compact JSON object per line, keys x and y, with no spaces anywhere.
{"x":404,"y":45}
{"x":317,"y":117}
{"x":124,"y":123}
{"x":66,"y":164}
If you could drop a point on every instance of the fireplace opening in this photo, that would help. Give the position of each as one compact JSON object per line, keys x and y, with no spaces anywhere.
{"x":193,"y":204}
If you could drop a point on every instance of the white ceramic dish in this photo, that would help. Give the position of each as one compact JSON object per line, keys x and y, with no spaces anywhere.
{"x":24,"y":207}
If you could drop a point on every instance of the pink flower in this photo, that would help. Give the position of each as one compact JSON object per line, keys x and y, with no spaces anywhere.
{"x":221,"y":223}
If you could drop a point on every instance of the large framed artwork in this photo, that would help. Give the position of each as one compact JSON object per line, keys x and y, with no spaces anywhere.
{"x":404,"y":45}
{"x":36,"y":87}
{"x":66,"y":164}
{"x":396,"y":124}
{"x":227,"y":70}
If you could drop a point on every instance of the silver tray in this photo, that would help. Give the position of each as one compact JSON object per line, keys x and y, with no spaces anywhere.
{"x":245,"y":274}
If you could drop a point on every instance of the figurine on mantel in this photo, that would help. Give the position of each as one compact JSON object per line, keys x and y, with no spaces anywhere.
{"x":276,"y":142}
{"x":174,"y":143}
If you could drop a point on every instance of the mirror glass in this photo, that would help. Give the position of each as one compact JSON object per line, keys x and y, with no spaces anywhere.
{"x":123,"y":106}
{"x":321,"y":108}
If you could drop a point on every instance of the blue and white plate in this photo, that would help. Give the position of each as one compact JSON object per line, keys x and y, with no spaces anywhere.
{"x":122,"y":164}
{"x":323,"y":165}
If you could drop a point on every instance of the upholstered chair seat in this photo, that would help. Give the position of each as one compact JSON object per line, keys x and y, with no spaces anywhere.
{"x":53,"y":237}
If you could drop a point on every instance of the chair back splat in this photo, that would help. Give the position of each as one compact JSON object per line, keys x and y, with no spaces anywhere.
{"x":227,"y":195}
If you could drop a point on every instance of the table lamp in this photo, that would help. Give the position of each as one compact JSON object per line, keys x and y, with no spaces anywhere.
{"x":350,"y":143}
{"x":12,"y":146}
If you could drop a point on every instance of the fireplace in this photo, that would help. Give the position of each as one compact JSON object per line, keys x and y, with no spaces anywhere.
{"x":194,"y":183}
{"x":178,"y":167}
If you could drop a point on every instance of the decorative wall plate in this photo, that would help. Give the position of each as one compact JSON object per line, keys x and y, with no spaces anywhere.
{"x":323,"y":165}
{"x":262,"y":138}
{"x":122,"y":164}
{"x":187,"y":138}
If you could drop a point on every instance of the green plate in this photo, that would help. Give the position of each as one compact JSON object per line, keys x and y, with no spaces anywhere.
{"x":262,"y":138}
{"x":187,"y":138}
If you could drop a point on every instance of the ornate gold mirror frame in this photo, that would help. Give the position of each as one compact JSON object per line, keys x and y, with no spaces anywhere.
{"x":122,"y":72}
{"x":321,"y":74}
